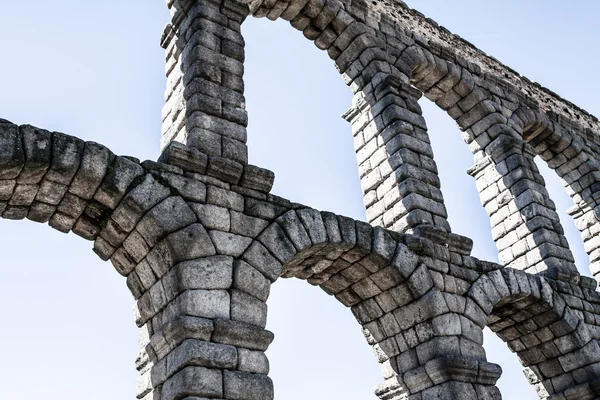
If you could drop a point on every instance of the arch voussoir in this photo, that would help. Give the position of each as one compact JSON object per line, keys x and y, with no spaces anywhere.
{"x":529,"y":314}
{"x":71,"y":184}
{"x":390,"y":291}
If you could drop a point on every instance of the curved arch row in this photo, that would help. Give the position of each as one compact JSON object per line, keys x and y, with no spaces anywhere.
{"x":199,"y":255}
{"x":200,"y":239}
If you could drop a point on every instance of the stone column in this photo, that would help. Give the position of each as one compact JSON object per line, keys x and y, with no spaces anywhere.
{"x":587,"y":220}
{"x":201,"y":308}
{"x":205,"y":105}
{"x":525,"y":225}
{"x":208,"y":339}
{"x":398,"y":174}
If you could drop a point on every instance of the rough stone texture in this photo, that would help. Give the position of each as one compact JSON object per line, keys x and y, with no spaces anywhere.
{"x":200,"y":239}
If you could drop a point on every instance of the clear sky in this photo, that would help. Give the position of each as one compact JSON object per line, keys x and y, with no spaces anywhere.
{"x":95,"y":70}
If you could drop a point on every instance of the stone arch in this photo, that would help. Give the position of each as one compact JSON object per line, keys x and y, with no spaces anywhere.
{"x":358,"y":54}
{"x":74,"y":186}
{"x":568,"y":155}
{"x":556,"y":348}
{"x":392,"y":294}
{"x":383,"y":99}
{"x":60,"y":179}
{"x":511,"y":189}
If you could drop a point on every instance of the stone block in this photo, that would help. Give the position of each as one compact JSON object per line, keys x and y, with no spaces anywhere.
{"x":18,"y":213}
{"x":405,"y":261}
{"x":228,"y":243}
{"x":92,"y":170}
{"x":241,"y":334}
{"x":66,"y":158}
{"x":23,"y":194}
{"x":194,"y":381}
{"x":40,"y":212}
{"x":187,"y":158}
{"x":225,"y":198}
{"x":198,"y":353}
{"x":12,"y":154}
{"x":225,"y":169}
{"x":246,"y":225}
{"x":187,"y":327}
{"x":312,"y":221}
{"x":169,"y":215}
{"x":188,"y":188}
{"x":138,"y":201}
{"x":295,"y":230}
{"x":204,"y":273}
{"x":121,"y":173}
{"x":246,"y":386}
{"x":37,"y":145}
{"x":257,"y":178}
{"x":261,"y":259}
{"x":252,"y":361}
{"x":205,"y":303}
{"x":248,"y":309}
{"x":262,"y":209}
{"x":250,"y":280}
{"x":451,"y":390}
{"x":51,"y":192}
{"x":7,"y":189}
{"x":212,"y":217}
{"x":274,"y":239}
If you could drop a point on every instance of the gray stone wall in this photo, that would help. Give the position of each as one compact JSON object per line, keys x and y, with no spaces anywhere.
{"x":200,"y":238}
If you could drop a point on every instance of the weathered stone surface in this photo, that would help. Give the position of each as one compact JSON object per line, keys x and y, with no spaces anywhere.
{"x":241,"y":334}
{"x":247,"y":308}
{"x":212,"y":217}
{"x":252,"y":361}
{"x":197,"y":381}
{"x":242,"y":385}
{"x":188,"y":188}
{"x":66,"y":158}
{"x":257,"y":178}
{"x":200,"y":239}
{"x":37,"y":145}
{"x":202,"y":354}
{"x":205,"y":303}
{"x":261,"y":259}
{"x":138,"y":201}
{"x":229,"y":244}
{"x":248,"y":279}
{"x":171,"y":214}
{"x":94,"y":166}
{"x":12,"y":156}
{"x":118,"y":178}
{"x":205,"y":273}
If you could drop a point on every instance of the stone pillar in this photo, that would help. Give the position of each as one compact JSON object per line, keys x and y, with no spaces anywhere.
{"x":398,"y":174}
{"x":587,"y":220}
{"x":431,"y":347}
{"x":209,"y":339}
{"x":205,"y":105}
{"x":178,"y":236}
{"x":525,"y":225}
{"x":201,"y":308}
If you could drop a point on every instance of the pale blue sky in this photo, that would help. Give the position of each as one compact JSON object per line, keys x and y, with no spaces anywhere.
{"x":95,"y":70}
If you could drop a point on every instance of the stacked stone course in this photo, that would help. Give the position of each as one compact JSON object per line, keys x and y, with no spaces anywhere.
{"x":200,"y":238}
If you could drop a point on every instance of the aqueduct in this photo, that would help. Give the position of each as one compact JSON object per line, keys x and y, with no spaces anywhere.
{"x":200,"y":239}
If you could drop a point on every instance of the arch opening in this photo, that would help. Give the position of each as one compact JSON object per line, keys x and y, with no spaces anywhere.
{"x":294,"y":99}
{"x":319,"y":350}
{"x":68,"y":320}
{"x":568,"y":158}
{"x":540,"y":325}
